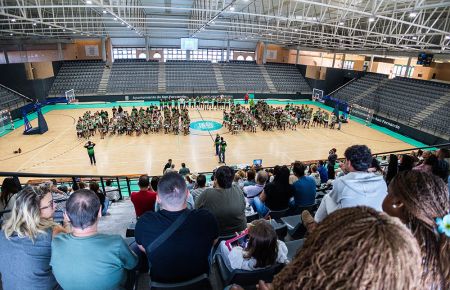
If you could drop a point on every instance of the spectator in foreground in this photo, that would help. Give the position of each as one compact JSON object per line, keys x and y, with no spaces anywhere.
{"x":392,"y":168}
{"x":315,"y":174}
{"x":199,"y":187}
{"x":86,"y":259}
{"x":428,"y":165}
{"x":304,"y":187}
{"x":406,"y":163}
{"x":251,"y":174}
{"x":421,"y":201}
{"x":263,"y":249}
{"x":104,"y":201}
{"x":112,"y":192}
{"x":323,"y":172}
{"x":357,"y":187}
{"x":154,"y":183}
{"x":190,"y":181}
{"x":184,"y":170}
{"x":225,"y":202}
{"x":184,"y":254}
{"x":8,"y":195}
{"x":144,"y":200}
{"x":332,"y":157}
{"x":253,"y":191}
{"x":25,"y":242}
{"x":389,"y":259}
{"x":276,"y":194}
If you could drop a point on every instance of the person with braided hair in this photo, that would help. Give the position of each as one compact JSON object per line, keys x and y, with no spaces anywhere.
{"x":354,"y":248}
{"x":421,"y":201}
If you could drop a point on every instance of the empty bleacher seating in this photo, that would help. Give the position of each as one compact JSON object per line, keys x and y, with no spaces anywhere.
{"x":402,"y":99}
{"x":82,"y":76}
{"x":287,"y":78}
{"x":186,"y":76}
{"x":10,"y":100}
{"x":240,"y":76}
{"x":133,"y":76}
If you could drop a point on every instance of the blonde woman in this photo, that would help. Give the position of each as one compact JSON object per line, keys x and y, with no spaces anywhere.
{"x":25,"y":241}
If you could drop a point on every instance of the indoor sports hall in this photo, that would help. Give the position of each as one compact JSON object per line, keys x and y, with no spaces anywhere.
{"x":224,"y":144}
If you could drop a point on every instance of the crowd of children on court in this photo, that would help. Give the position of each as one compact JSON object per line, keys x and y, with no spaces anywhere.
{"x":275,"y":117}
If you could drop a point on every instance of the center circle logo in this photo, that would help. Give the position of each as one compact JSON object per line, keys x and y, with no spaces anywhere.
{"x":206,"y":125}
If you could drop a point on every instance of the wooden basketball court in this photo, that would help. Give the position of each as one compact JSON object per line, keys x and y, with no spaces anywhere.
{"x":59,"y":150}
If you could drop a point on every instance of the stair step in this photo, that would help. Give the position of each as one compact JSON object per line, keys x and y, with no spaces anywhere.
{"x":267,"y":78}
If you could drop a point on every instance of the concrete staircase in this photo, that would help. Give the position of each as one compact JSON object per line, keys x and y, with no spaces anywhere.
{"x":104,"y":81}
{"x":219,"y":78}
{"x":162,"y":88}
{"x":430,"y":109}
{"x":372,"y":89}
{"x":267,"y":78}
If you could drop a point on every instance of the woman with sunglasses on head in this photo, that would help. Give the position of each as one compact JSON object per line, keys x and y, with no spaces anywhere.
{"x":25,"y":241}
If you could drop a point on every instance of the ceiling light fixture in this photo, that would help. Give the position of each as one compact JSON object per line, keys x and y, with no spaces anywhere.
{"x":231,"y":8}
{"x":115,"y":19}
{"x":13,"y":20}
{"x":371,"y":19}
{"x":34,"y":23}
{"x":104,"y":11}
{"x":11,"y":34}
{"x":414,"y":37}
{"x":341,"y":23}
{"x":447,"y":37}
{"x":412,"y":14}
{"x":89,"y":2}
{"x":296,"y":30}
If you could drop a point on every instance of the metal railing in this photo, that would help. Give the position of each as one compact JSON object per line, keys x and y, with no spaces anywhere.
{"x":125,"y":182}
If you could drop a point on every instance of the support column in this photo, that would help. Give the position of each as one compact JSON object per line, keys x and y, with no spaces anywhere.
{"x":228,"y":50}
{"x":188,"y":55}
{"x":298,"y":56}
{"x":334,"y":60}
{"x":371,"y":63}
{"x":103,"y":48}
{"x":343,"y":60}
{"x":60,"y":51}
{"x":222,"y":55}
{"x":147,"y":48}
{"x":6,"y":57}
{"x":408,"y":67}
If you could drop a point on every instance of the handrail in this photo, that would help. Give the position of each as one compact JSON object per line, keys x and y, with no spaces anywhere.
{"x":23,"y":96}
{"x":344,"y":85}
{"x":51,"y":175}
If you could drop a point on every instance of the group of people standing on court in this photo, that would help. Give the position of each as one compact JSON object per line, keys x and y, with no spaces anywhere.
{"x":221,"y":146}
